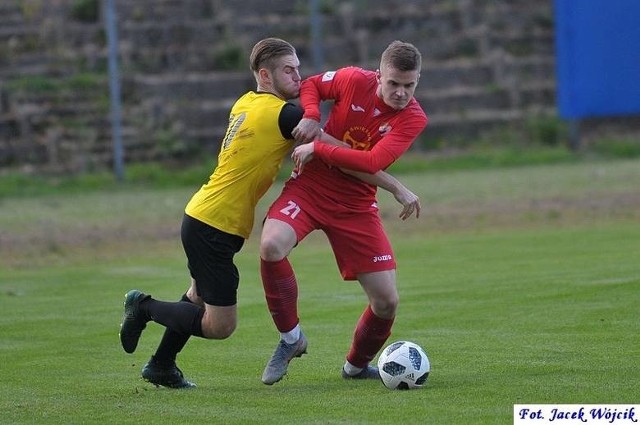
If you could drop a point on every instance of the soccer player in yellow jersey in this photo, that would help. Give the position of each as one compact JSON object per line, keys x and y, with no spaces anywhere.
{"x":219,"y":216}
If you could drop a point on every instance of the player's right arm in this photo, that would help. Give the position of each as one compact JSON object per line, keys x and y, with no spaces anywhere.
{"x":307,"y":130}
{"x":313,"y":90}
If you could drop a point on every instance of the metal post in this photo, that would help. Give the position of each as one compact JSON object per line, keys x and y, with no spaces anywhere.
{"x":574,"y":135}
{"x":316,"y":35}
{"x":114,"y":89}
{"x":317,"y":51}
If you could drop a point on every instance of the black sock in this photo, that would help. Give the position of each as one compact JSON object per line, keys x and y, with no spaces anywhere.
{"x":172,"y":343}
{"x":182,"y":317}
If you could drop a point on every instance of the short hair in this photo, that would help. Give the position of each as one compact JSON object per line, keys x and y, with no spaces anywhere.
{"x":265,"y":52}
{"x":402,"y":56}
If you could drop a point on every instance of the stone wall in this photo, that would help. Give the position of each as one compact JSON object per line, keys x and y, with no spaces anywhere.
{"x":487,"y":65}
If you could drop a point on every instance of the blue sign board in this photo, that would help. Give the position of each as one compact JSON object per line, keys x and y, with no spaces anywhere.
{"x":597,"y":57}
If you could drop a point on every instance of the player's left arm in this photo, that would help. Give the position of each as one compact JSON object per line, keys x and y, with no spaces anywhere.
{"x":289,"y":117}
{"x":410,"y":201}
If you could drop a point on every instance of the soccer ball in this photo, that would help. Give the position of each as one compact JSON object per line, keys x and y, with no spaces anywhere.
{"x":403,"y":365}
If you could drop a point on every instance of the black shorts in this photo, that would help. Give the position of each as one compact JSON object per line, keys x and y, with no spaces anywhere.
{"x":210,"y":260}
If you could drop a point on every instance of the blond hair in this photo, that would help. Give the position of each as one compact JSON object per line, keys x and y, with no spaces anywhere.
{"x":266,"y":51}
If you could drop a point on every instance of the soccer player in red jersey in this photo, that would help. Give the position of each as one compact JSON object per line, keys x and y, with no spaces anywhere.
{"x":377,"y":116}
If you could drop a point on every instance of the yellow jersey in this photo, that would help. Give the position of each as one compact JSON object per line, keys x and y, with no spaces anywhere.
{"x":254,"y":146}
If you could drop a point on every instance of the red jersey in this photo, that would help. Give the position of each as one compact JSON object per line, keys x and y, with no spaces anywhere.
{"x":377,"y":133}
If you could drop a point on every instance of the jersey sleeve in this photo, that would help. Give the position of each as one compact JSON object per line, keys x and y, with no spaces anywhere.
{"x":310,"y":98}
{"x":382,"y":155}
{"x":325,"y":86}
{"x":290,"y":116}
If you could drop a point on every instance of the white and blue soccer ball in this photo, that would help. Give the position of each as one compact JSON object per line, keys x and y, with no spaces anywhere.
{"x":403,"y":365}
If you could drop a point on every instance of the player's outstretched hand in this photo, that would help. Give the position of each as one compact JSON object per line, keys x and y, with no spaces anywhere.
{"x":306,"y":131}
{"x":410,"y":203}
{"x":302,"y":154}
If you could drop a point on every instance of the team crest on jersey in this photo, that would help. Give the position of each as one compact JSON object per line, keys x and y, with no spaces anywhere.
{"x":358,"y":137}
{"x":384,"y":129}
{"x":328,"y":76}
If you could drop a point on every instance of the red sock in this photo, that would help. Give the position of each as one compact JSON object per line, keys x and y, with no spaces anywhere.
{"x":281,"y":291}
{"x":369,"y":337}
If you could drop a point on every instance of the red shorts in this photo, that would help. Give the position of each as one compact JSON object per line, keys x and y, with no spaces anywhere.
{"x":357,"y":237}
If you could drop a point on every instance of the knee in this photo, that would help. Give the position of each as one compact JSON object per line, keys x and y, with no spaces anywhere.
{"x":218,"y":326}
{"x":218,"y":331}
{"x":386,"y":307}
{"x":225,"y":331}
{"x":272,"y":249}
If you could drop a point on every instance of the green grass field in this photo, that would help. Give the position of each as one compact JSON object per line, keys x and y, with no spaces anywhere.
{"x":522,"y":284}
